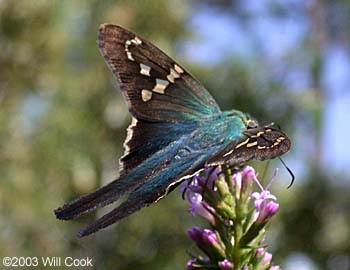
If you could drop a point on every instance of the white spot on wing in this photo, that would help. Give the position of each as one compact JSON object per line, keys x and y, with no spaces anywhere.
{"x":173,"y":75}
{"x":228,"y":153}
{"x":177,"y":181}
{"x":178,"y":69}
{"x":137,"y":40}
{"x":129,"y":135}
{"x":146,"y":95}
{"x":129,"y":55}
{"x":242,"y":143}
{"x":145,"y":70}
{"x":160,"y":86}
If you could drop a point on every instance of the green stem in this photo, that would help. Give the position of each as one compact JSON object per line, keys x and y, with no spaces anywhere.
{"x":228,"y":177}
{"x":238,"y":233}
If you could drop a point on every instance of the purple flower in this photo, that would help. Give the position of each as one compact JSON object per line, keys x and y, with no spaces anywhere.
{"x":207,"y":241}
{"x":248,"y":176}
{"x":266,"y":211}
{"x":267,"y":256}
{"x":209,"y":237}
{"x":195,"y":234}
{"x":199,"y":184}
{"x":249,"y":173}
{"x":264,"y":202}
{"x":261,"y":197}
{"x":260,"y":251}
{"x":205,"y":259}
{"x":225,"y":204}
{"x":200,"y":207}
{"x":268,"y":185}
{"x":210,"y":178}
{"x":226,"y":264}
{"x":275,"y":267}
{"x":188,"y":187}
{"x":237,"y":180}
{"x":191,"y":264}
{"x":194,"y":189}
{"x":242,"y":180}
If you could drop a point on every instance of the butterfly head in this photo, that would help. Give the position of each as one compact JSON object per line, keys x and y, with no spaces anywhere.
{"x":260,"y":143}
{"x":268,"y":142}
{"x":265,"y":141}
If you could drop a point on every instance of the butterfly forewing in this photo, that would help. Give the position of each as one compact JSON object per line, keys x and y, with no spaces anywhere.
{"x":154,"y":86}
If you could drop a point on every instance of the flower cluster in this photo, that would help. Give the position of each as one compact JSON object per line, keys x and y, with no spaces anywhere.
{"x":237,"y":216}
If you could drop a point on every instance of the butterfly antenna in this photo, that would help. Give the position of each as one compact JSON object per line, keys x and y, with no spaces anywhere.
{"x":290,"y":172}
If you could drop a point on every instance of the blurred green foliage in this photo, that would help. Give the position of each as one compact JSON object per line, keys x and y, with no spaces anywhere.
{"x":62,"y":124}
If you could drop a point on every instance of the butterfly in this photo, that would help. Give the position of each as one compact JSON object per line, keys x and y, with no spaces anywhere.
{"x":177,"y":129}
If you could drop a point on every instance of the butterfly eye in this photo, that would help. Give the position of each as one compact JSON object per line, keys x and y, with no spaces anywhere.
{"x":251,"y":124}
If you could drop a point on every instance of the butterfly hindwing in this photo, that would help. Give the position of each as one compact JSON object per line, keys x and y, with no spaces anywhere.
{"x":159,"y":185}
{"x":154,"y":86}
{"x":146,"y":138}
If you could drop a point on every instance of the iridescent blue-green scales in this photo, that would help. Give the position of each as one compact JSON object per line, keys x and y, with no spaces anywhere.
{"x":177,"y":130}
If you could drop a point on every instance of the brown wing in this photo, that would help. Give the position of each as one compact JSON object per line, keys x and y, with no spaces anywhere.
{"x":154,"y":86}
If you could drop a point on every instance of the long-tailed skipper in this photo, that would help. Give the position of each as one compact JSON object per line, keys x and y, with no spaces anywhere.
{"x":177,"y":129}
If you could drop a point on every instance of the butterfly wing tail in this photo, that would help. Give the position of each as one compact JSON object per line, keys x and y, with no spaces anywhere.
{"x":140,"y":198}
{"x":129,"y":181}
{"x":156,"y":188}
{"x":99,"y":198}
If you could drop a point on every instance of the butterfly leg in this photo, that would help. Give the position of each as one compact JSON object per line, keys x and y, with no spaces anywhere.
{"x":189,"y":182}
{"x":209,"y":174}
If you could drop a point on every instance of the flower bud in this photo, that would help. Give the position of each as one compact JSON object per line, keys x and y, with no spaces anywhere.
{"x":248,"y":178}
{"x":237,"y":183}
{"x":226,"y":265}
{"x":191,"y":265}
{"x":260,"y":252}
{"x":195,"y":234}
{"x":267,"y":258}
{"x":276,"y":267}
{"x":267,"y":211}
{"x":209,"y":237}
{"x":238,"y":216}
